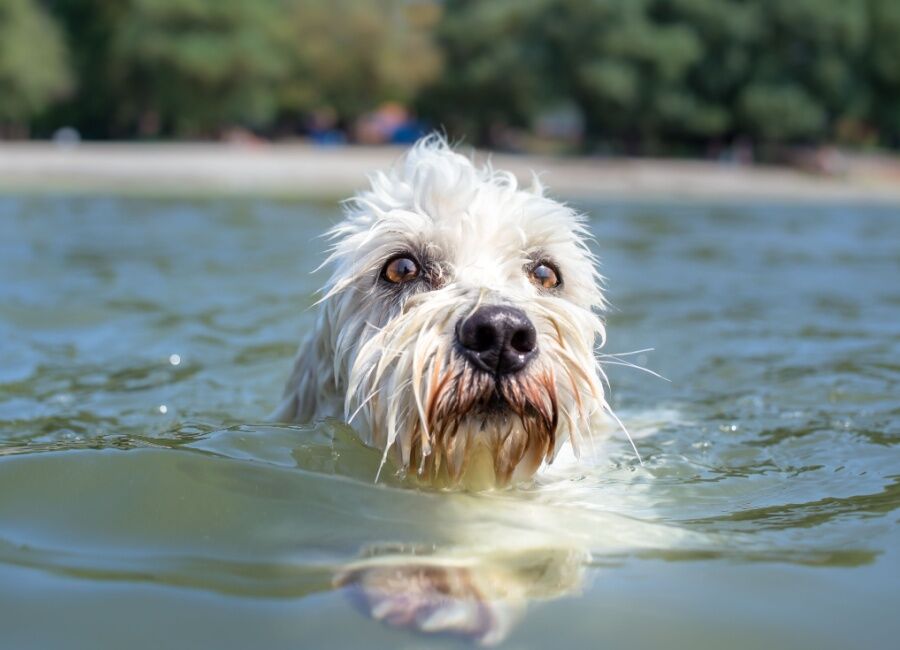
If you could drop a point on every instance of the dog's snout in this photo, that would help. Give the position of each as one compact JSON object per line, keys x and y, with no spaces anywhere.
{"x":497,"y":339}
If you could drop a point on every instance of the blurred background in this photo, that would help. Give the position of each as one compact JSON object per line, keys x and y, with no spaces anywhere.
{"x":166,"y":169}
{"x":724,"y":79}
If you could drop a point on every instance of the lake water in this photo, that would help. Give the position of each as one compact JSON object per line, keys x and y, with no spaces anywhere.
{"x":146,"y":503}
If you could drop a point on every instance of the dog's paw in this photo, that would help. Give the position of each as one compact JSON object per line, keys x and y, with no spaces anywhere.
{"x":432,"y":599}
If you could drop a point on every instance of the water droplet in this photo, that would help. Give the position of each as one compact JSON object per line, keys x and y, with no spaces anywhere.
{"x":175,"y":359}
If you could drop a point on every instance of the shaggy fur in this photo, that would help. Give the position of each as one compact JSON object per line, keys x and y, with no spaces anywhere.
{"x":385,"y":358}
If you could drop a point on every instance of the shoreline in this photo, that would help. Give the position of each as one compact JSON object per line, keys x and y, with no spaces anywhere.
{"x":306,"y":171}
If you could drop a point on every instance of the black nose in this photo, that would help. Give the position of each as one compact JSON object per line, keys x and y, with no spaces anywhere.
{"x":497,"y":339}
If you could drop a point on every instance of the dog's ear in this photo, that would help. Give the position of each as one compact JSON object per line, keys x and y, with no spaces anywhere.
{"x":311,"y":390}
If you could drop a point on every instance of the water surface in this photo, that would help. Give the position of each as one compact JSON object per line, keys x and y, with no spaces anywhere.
{"x":145,"y":503}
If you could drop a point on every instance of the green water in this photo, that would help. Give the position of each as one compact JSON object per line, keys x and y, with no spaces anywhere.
{"x":145,"y":503}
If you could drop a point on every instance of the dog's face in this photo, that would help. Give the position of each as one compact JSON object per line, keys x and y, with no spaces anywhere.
{"x":461,"y":319}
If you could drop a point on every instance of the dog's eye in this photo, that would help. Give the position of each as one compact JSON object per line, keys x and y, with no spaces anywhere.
{"x":545,"y":275}
{"x":400,"y":269}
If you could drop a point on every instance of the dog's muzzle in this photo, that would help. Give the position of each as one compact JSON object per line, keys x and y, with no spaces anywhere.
{"x":497,"y":339}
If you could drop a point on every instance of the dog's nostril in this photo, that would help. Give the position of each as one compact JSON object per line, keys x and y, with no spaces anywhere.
{"x":524,"y":340}
{"x":484,"y":339}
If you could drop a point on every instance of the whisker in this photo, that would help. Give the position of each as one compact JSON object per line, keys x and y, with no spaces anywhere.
{"x":627,"y":435}
{"x":636,"y":367}
{"x":603,"y":378}
{"x":625,"y":354}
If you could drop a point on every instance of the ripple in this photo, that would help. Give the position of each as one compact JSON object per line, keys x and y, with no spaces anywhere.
{"x":774,"y":446}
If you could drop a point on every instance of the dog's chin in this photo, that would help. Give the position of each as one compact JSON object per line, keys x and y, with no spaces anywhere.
{"x":487,"y":432}
{"x":476,"y":458}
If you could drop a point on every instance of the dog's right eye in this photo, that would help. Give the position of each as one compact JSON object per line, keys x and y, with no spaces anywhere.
{"x":400,"y":270}
{"x":544,"y":274}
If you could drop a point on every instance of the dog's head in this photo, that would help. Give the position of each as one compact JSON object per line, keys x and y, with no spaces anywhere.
{"x":460,"y":320}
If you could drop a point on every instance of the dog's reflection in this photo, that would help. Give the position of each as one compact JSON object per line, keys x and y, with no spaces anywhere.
{"x":479,"y":596}
{"x":494,"y":554}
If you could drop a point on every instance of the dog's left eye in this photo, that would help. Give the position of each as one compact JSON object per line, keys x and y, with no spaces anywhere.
{"x":545,"y":275}
{"x":400,"y":269}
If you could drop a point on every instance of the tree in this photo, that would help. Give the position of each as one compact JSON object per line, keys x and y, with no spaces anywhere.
{"x":496,"y":67}
{"x":350,"y":55}
{"x":33,"y":69}
{"x":804,"y":77}
{"x":883,"y":60}
{"x":95,"y":105}
{"x":648,"y":74}
{"x":630,"y":78}
{"x":625,"y":70}
{"x":641,"y":75}
{"x":195,"y":66}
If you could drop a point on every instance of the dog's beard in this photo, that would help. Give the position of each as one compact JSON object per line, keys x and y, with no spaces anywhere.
{"x":513,"y":418}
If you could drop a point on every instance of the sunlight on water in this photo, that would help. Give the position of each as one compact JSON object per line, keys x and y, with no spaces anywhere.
{"x":144,"y":341}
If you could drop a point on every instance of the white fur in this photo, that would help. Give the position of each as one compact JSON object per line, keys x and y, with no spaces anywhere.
{"x":376,"y":353}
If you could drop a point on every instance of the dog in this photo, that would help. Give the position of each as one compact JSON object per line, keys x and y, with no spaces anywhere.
{"x":457,"y":330}
{"x":457,"y":333}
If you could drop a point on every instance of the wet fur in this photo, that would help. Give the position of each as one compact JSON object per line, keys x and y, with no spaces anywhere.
{"x":383,"y":356}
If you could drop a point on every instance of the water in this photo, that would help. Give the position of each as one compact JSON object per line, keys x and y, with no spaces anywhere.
{"x":145,"y":502}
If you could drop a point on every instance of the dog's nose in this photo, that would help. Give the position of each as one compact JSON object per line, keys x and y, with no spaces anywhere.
{"x":499,"y":340}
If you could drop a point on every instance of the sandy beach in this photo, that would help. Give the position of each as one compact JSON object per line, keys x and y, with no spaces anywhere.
{"x":297,"y":170}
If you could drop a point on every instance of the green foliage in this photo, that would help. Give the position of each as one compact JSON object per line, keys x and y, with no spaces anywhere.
{"x":774,"y":112}
{"x":192,"y":66}
{"x":197,"y":67}
{"x":642,"y":75}
{"x":494,"y":69}
{"x":884,"y":63}
{"x":33,"y":69}
{"x":674,"y":71}
{"x":349,"y":56}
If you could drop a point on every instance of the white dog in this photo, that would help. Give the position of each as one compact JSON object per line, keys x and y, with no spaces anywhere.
{"x":457,"y":331}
